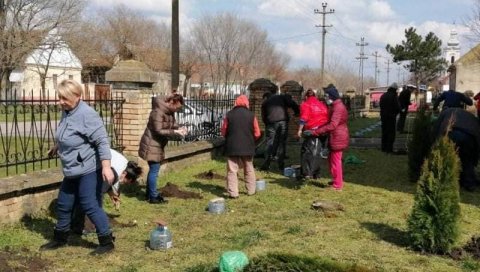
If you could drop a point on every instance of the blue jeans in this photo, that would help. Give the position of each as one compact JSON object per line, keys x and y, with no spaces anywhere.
{"x":153,"y":169}
{"x":86,"y":191}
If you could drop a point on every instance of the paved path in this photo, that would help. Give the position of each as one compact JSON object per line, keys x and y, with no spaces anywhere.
{"x":360,"y":142}
{"x":36,"y":128}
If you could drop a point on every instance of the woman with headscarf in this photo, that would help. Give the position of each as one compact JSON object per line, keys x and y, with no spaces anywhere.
{"x":240,"y":129}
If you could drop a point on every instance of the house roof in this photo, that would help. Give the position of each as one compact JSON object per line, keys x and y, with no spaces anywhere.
{"x":54,"y":51}
{"x":471,"y":56}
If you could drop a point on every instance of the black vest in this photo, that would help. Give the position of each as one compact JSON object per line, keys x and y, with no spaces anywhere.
{"x":239,"y":138}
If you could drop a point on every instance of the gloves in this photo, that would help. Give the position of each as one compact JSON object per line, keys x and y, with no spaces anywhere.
{"x":307,"y":133}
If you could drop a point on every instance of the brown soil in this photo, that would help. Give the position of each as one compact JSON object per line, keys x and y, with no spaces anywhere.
{"x":473,"y":247}
{"x":172,"y":190}
{"x":209,"y":175}
{"x":23,"y":261}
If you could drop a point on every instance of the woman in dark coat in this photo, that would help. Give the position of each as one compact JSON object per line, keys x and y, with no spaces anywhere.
{"x":160,"y":128}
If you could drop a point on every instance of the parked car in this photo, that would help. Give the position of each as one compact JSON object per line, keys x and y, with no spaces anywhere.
{"x":201,"y":121}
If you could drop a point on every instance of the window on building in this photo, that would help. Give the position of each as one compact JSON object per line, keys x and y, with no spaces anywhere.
{"x":70,"y":77}
{"x":452,"y":59}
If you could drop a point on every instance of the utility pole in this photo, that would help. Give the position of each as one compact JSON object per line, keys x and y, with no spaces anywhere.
{"x":388,"y":72}
{"x":175,"y":46}
{"x":324,"y":32}
{"x":398,"y":73}
{"x":377,"y":71}
{"x":362,"y":57}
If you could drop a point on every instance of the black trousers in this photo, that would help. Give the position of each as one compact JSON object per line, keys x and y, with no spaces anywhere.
{"x":468,"y":153}
{"x":388,"y":133}
{"x":310,"y":157}
{"x":276,"y":136}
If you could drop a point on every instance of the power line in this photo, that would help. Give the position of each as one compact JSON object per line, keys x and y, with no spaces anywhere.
{"x":388,"y":71}
{"x":295,"y":36}
{"x":324,"y":12}
{"x":362,"y":57}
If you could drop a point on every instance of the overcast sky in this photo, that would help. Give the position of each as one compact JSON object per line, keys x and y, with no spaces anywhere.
{"x":291,"y":24}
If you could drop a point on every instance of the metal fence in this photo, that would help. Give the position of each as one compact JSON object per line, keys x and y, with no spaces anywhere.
{"x":28,"y":124}
{"x":202,"y":116}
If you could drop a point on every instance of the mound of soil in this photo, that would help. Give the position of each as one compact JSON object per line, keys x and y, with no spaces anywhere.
{"x":472,"y":248}
{"x":209,"y":175}
{"x":23,"y":261}
{"x":172,"y":190}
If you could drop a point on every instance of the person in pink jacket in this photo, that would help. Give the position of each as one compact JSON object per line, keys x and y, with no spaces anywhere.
{"x":240,"y":129}
{"x":338,"y":134}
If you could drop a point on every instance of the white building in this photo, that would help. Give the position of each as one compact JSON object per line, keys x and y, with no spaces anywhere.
{"x":53,"y":58}
{"x":451,"y":54}
{"x":452,"y":51}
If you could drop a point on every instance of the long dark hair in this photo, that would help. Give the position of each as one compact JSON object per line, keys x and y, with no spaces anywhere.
{"x":133,"y":171}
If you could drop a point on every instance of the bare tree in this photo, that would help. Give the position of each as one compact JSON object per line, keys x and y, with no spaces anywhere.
{"x":23,"y":24}
{"x":122,"y":33}
{"x":189,"y":62}
{"x":473,"y":23}
{"x":230,"y":47}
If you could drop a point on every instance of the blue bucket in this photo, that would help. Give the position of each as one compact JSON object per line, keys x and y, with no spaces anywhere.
{"x":260,"y":185}
{"x":288,"y":172}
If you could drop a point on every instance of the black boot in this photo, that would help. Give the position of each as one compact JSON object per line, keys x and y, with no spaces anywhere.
{"x":106,"y":244}
{"x":59,"y":240}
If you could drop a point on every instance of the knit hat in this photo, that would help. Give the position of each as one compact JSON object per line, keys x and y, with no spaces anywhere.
{"x":394,"y":85}
{"x":242,"y":101}
{"x":332,"y":92}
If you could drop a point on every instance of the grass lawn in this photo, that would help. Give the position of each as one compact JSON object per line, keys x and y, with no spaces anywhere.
{"x":370,"y":232}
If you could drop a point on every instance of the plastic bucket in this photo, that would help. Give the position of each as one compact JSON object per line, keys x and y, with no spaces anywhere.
{"x":260,"y":185}
{"x":216,"y":205}
{"x":288,"y":172}
{"x":297,"y":169}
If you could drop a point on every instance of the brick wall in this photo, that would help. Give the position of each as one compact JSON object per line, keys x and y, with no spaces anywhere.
{"x":27,"y":194}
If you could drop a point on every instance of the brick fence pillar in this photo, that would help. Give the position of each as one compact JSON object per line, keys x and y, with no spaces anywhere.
{"x":136,"y":109}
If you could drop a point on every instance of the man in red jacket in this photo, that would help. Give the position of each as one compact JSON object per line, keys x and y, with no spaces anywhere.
{"x":240,"y":129}
{"x":338,"y":134}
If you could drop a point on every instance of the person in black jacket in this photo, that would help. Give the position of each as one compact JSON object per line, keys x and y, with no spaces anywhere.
{"x":464,"y":130}
{"x":240,"y":129}
{"x":275,"y":117}
{"x":389,"y":108}
{"x":404,"y":101}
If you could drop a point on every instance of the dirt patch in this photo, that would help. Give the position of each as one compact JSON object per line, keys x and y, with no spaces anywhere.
{"x":209,"y":175}
{"x":22,"y":261}
{"x":172,"y":190}
{"x":472,"y":248}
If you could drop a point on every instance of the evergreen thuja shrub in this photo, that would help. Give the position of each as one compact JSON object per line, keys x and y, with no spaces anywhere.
{"x":433,"y":222}
{"x":419,"y":144}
